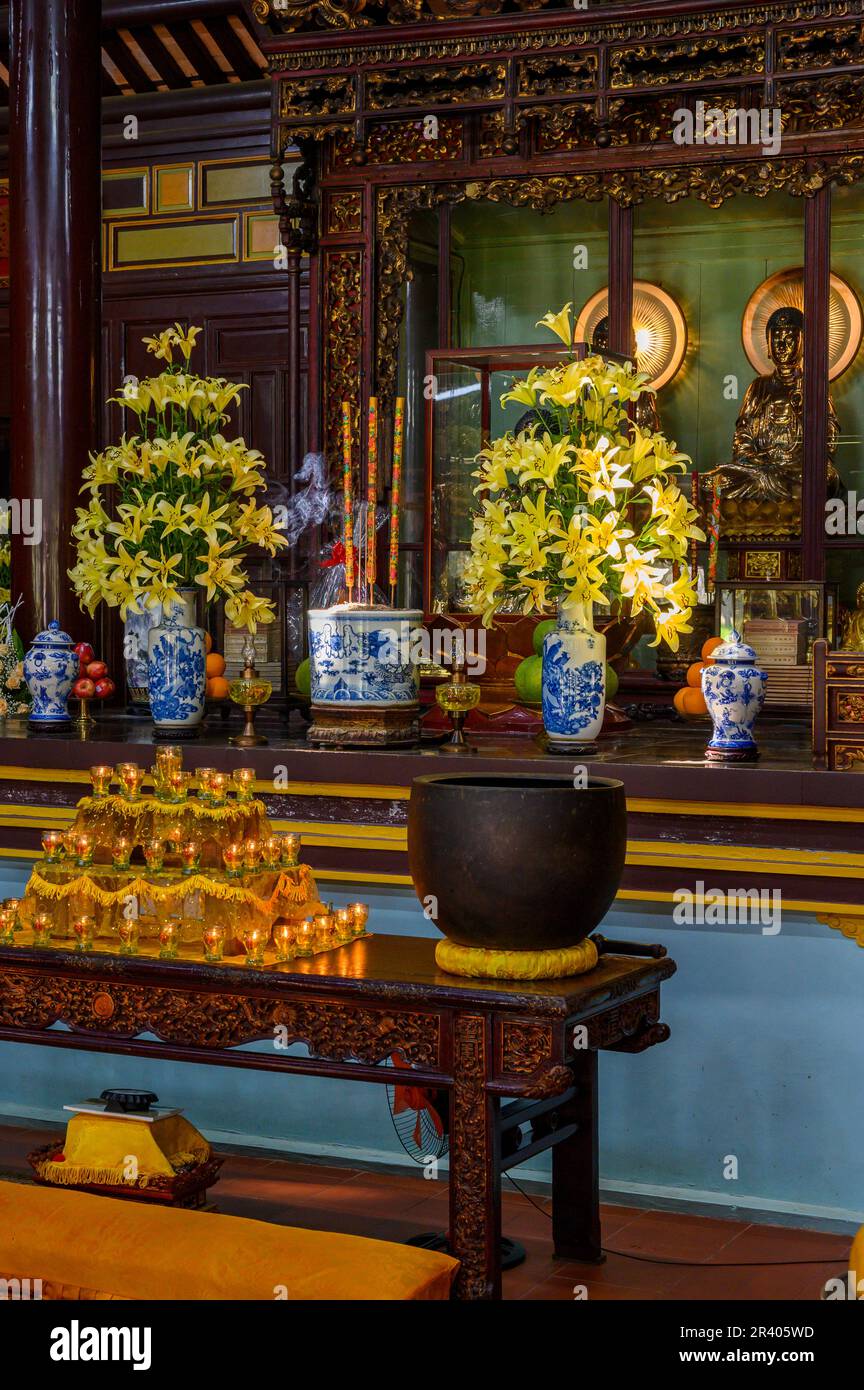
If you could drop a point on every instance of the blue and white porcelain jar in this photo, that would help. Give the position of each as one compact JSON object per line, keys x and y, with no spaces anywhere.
{"x":50,"y":670}
{"x":574,"y":680}
{"x":734,"y":690}
{"x":365,"y":657}
{"x":176,"y":667}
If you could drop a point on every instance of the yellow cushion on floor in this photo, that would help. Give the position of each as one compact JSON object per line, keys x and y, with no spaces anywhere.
{"x":101,"y":1247}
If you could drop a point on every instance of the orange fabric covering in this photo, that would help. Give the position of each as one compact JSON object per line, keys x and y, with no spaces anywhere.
{"x":856,"y":1261}
{"x":96,"y":1247}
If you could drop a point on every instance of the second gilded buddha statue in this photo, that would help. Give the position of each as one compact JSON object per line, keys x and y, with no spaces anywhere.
{"x":760,"y":489}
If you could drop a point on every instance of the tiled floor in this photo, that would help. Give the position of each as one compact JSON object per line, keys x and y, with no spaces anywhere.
{"x":716,"y":1259}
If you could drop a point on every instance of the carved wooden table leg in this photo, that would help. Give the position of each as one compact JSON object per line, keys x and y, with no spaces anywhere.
{"x":475,"y":1180}
{"x":576,"y":1170}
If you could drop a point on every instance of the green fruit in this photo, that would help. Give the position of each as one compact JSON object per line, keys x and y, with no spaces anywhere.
{"x":528,"y":679}
{"x":611,"y":682}
{"x":303,"y":679}
{"x":548,"y":625}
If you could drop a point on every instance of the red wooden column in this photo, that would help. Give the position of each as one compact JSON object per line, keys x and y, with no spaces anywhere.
{"x":54,"y":194}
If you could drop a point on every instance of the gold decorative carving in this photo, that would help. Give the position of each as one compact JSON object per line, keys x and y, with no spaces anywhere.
{"x":851,"y":927}
{"x":420,"y":86}
{"x":343,"y":312}
{"x":850,"y":709}
{"x":403,"y":142}
{"x":850,"y":671}
{"x":316,"y":96}
{"x":762,"y":564}
{"x":837,"y":46}
{"x":345,"y":211}
{"x":208,"y":1021}
{"x":821,"y":104}
{"x":558,"y":75}
{"x":846,"y":755}
{"x":687,"y":60}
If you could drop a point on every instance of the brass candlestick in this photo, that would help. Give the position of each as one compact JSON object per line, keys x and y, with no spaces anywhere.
{"x":250,"y":692}
{"x":457,"y":697}
{"x":84,"y":722}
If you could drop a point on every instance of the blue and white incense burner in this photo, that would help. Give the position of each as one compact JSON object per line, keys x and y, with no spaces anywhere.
{"x":734,"y":690}
{"x":50,"y":670}
{"x":364,"y":666}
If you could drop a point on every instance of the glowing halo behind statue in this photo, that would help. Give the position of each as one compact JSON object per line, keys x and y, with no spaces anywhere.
{"x":658,"y":325}
{"x":786,"y":288}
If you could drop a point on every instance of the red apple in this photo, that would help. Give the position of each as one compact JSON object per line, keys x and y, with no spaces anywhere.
{"x":96,"y":670}
{"x":83,"y":689}
{"x":104,"y":688}
{"x":84,"y":652}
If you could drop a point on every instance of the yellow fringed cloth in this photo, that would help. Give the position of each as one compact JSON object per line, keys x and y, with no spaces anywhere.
{"x":107,"y":818}
{"x":516,"y":965}
{"x":81,"y":1246}
{"x":109,"y":1150}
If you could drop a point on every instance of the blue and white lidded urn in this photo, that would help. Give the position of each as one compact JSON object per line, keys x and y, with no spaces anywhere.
{"x":50,"y":670}
{"x":734,"y":690}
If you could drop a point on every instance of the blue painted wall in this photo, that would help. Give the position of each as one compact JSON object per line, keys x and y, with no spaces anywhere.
{"x":764,"y":1066}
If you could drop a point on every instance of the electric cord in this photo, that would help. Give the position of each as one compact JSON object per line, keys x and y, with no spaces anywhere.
{"x":684,"y":1264}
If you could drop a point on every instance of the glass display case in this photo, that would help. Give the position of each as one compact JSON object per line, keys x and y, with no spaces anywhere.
{"x":779,"y":621}
{"x":463,"y":412}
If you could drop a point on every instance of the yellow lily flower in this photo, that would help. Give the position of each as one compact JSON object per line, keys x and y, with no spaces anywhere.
{"x":560,"y":324}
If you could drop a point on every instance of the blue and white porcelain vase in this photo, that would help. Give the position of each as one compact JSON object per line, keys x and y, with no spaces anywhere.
{"x":50,"y":670}
{"x":141,"y":617}
{"x":734,"y":690}
{"x":176,"y":667}
{"x":365,"y":657}
{"x":574,"y":680}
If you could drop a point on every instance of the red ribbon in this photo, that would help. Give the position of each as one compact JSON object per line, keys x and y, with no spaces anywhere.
{"x":337,"y":556}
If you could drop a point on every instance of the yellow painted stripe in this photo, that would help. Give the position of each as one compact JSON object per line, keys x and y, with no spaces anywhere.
{"x":789,"y":904}
{"x":756,"y":811}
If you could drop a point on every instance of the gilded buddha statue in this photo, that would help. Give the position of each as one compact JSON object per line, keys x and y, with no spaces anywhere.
{"x":853,"y":625}
{"x":760,"y":489}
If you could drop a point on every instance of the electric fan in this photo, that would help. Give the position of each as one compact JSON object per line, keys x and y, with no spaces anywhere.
{"x":420,"y":1118}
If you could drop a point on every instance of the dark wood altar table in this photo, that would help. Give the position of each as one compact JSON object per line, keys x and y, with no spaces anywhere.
{"x":480,"y":1040}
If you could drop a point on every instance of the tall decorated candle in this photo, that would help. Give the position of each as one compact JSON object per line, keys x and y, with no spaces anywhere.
{"x":371,"y":496}
{"x":398,"y":435}
{"x":347,"y":497}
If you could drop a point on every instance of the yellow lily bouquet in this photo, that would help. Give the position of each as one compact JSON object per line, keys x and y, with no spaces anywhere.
{"x":582,"y":507}
{"x":173,"y":505}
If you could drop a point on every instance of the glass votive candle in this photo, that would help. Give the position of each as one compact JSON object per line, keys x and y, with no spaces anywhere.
{"x":284,"y":935}
{"x":13,"y":905}
{"x":360,"y":913}
{"x":100,"y":780}
{"x":169,"y":757}
{"x":121,"y":852}
{"x":161,"y":788}
{"x":70,"y":842}
{"x":325,"y":930}
{"x":169,"y":939}
{"x":178,"y":784}
{"x":128,"y":930}
{"x":214,"y":941}
{"x":232,"y":857}
{"x":43,"y":929}
{"x":203,"y":778}
{"x":174,"y":835}
{"x":52,"y":844}
{"x":344,"y":924}
{"x":251,"y":854}
{"x":84,"y":848}
{"x":154,"y":854}
{"x":254,"y":939}
{"x":271,"y":848}
{"x":190,"y":854}
{"x":7,"y":927}
{"x":218,"y":789}
{"x":82,"y":930}
{"x":243,"y":779}
{"x":305,"y":937}
{"x":129,"y":778}
{"x":290,"y":850}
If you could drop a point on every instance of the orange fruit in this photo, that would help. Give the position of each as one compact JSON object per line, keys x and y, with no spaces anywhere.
{"x":217,"y":688}
{"x":694,"y":674}
{"x":709,"y":645}
{"x":215,"y":664}
{"x":694,"y":702}
{"x":208,"y":642}
{"x":678,"y":701}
